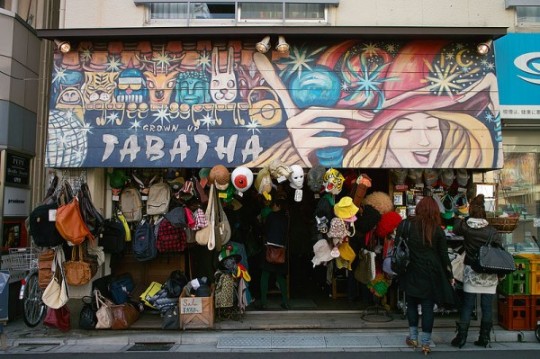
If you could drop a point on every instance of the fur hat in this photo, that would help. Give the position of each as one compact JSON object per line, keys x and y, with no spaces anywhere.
{"x":388,"y":223}
{"x":220,"y":177}
{"x":381,"y":201}
{"x":345,"y":208}
{"x":315,"y":178}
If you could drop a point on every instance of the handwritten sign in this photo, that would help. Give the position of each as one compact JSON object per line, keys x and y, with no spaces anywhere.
{"x":191,"y":305}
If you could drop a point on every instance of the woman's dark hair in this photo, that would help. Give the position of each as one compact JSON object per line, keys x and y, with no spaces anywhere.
{"x":428,"y":218}
{"x":476,"y":207}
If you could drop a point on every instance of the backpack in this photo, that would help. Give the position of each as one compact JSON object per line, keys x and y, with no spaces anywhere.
{"x":144,"y":243}
{"x":170,"y":238}
{"x":113,"y":236}
{"x":131,"y":204}
{"x":121,"y":287}
{"x":42,"y":230}
{"x":400,"y":254}
{"x":159,"y":197}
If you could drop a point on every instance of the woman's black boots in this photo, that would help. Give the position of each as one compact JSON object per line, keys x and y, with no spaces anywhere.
{"x":483,"y":338}
{"x":461,"y":338}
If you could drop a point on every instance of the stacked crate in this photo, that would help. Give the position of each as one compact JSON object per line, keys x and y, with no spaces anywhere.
{"x":519,"y":294}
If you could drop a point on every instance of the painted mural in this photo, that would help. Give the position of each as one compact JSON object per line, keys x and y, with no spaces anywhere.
{"x":356,"y":103}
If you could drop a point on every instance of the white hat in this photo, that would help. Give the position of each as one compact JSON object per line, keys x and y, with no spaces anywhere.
{"x":322,"y":252}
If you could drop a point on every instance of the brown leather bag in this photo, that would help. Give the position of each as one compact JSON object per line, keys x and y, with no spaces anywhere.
{"x":77,"y":271}
{"x":45,"y":262}
{"x":124,"y":315}
{"x":275,"y":254}
{"x":70,"y":223}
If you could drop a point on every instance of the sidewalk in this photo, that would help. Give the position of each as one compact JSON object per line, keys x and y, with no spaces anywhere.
{"x":258,"y":331}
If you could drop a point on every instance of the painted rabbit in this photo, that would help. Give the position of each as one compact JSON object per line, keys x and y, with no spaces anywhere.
{"x":223,"y":87}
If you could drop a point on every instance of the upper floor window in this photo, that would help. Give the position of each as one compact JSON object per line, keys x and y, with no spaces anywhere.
{"x":247,"y":11}
{"x":528,"y":15}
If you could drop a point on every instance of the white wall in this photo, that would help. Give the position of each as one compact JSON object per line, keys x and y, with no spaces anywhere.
{"x":459,"y":13}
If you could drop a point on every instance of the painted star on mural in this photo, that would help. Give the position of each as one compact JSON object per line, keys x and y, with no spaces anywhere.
{"x":299,"y":59}
{"x":162,"y":115}
{"x":252,"y":126}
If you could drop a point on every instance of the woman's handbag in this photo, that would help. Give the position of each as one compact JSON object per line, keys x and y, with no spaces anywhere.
{"x":207,"y":236}
{"x":103,"y":314}
{"x":78,"y":272}
{"x":55,"y":294}
{"x":59,"y":318}
{"x":45,"y":264}
{"x":275,"y":254}
{"x":124,"y":315}
{"x":87,"y":315}
{"x":70,"y":223}
{"x":493,"y":259}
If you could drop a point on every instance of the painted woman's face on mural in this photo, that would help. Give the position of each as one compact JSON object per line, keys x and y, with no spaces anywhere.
{"x":415,"y":140}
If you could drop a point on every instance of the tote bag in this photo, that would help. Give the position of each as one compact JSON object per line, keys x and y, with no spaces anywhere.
{"x":206,"y":236}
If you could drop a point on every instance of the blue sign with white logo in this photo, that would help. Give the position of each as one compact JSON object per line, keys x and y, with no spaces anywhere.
{"x":517,"y":59}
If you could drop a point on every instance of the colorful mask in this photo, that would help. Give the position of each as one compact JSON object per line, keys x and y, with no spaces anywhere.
{"x":333,"y":181}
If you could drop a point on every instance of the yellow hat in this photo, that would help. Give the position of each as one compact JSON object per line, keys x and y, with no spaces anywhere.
{"x":345,"y":208}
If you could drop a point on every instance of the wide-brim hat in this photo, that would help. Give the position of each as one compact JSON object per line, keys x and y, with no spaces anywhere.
{"x":345,"y":208}
{"x":230,"y":250}
{"x":322,"y":252}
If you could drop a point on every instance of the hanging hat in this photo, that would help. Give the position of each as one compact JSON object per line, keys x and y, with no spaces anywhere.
{"x":177,"y":217}
{"x":399,"y":176}
{"x":242,"y":178}
{"x":315,"y":178}
{"x":345,"y":208}
{"x":416,"y":175}
{"x":379,"y":285}
{"x":230,"y":250}
{"x":333,"y":181}
{"x":367,"y":220}
{"x":346,"y":252}
{"x":220,"y":177}
{"x":462,"y":177}
{"x":388,"y":223}
{"x":117,"y":179}
{"x":203,"y":176}
{"x":338,"y":229}
{"x":322,"y":252}
{"x":381,"y":201}
{"x":431,"y":176}
{"x":447,"y":177}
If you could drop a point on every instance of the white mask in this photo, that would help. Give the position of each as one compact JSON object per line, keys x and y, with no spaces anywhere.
{"x":296,"y":177}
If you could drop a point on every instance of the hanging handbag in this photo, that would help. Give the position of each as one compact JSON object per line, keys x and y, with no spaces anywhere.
{"x":275,"y":254}
{"x":59,"y":318}
{"x":70,"y":223}
{"x":103,"y":314}
{"x":91,"y":216}
{"x":55,"y":294}
{"x":87,"y":315}
{"x":77,"y":271}
{"x":124,"y":315}
{"x":493,"y":259}
{"x":45,"y":264}
{"x":206,"y":236}
{"x":223,"y":227}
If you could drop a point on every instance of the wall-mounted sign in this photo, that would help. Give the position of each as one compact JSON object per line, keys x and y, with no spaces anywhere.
{"x":518,"y":74}
{"x":360,"y":103}
{"x":16,"y":202}
{"x":17,"y":169}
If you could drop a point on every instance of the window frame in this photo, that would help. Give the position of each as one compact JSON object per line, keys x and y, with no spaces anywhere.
{"x":237,"y":16}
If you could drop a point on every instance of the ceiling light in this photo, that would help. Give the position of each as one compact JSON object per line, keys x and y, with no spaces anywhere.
{"x":63,"y":46}
{"x":484,"y":47}
{"x":264,"y":45}
{"x":282,"y":46}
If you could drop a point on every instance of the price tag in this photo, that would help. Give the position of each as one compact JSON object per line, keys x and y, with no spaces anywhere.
{"x":298,"y":195}
{"x":52,"y":215}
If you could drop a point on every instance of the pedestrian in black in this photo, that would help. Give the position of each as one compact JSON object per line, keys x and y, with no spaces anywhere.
{"x":428,"y":279}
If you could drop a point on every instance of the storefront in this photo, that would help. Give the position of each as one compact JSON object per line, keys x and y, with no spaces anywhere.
{"x":520,"y":111}
{"x":416,"y":117}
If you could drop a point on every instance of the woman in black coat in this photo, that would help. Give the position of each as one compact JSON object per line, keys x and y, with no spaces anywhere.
{"x":428,"y":279}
